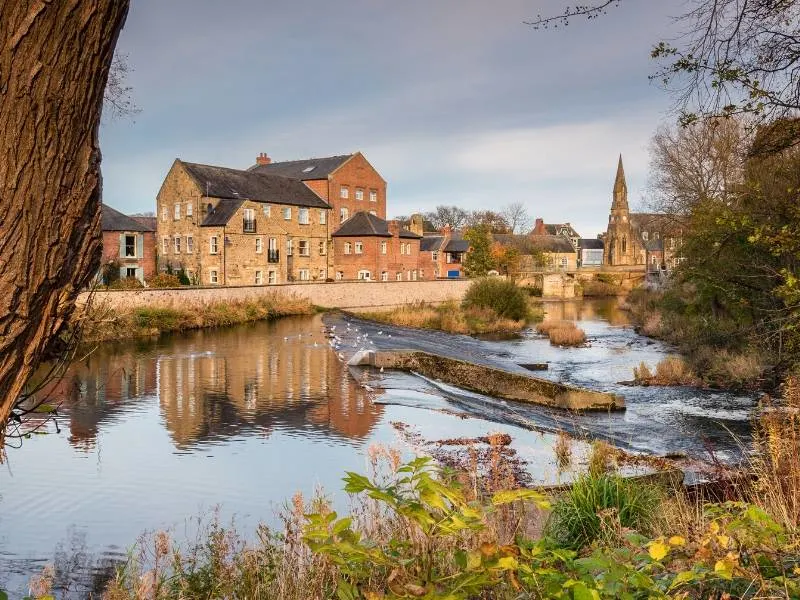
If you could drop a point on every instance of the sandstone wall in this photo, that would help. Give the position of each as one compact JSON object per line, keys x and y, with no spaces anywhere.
{"x":351,"y":295}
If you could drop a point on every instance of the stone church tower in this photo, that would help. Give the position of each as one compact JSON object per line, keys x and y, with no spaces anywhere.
{"x":622,"y":239}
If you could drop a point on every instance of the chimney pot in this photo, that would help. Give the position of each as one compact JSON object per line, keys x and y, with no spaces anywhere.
{"x":263,"y":159}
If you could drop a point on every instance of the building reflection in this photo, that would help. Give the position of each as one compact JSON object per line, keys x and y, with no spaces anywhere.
{"x":587,"y":310}
{"x":214,"y":384}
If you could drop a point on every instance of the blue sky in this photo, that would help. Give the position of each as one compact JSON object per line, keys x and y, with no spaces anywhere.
{"x":453,"y":101}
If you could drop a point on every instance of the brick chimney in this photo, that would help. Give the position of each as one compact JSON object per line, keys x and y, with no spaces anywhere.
{"x":263,"y":159}
{"x":538,"y":228}
{"x":446,"y":231}
{"x":394,"y":227}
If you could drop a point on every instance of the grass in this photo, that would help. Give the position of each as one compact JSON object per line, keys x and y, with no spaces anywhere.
{"x":599,"y":289}
{"x":450,"y":317}
{"x":563,"y":450}
{"x":672,"y":370}
{"x":101,"y":324}
{"x":562,"y":333}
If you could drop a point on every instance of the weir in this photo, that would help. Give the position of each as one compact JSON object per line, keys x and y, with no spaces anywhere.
{"x":491,"y":381}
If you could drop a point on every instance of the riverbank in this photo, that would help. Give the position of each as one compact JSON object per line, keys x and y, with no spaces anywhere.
{"x":99,"y":323}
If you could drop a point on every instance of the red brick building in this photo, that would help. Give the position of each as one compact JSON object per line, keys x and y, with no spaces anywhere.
{"x":128,"y":245}
{"x":370,"y":248}
{"x":349,"y":183}
{"x":442,"y":254}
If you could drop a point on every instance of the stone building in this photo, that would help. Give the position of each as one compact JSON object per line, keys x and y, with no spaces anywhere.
{"x":540,"y":252}
{"x":563,"y":229}
{"x":645,"y":240}
{"x":229,"y":227}
{"x":349,"y":183}
{"x":369,"y":248}
{"x":128,"y":246}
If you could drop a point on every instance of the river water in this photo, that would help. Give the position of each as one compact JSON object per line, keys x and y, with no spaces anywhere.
{"x":153,"y":434}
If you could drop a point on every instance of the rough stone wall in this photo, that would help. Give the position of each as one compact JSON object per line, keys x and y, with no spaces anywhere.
{"x":348,"y":295}
{"x":355,"y":174}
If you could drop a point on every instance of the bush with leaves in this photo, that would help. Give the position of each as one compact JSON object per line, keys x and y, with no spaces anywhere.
{"x":504,"y":297}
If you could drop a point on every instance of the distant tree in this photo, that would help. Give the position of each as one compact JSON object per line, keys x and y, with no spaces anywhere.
{"x":478,"y":261}
{"x":694,"y":164}
{"x":495,"y":222}
{"x":443,"y":215}
{"x":54,"y":64}
{"x":506,"y":259}
{"x":517,"y":217}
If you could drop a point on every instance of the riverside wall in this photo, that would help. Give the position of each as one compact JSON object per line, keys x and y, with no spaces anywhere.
{"x":351,"y":295}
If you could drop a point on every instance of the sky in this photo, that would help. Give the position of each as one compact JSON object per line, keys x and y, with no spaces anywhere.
{"x":452,"y":101}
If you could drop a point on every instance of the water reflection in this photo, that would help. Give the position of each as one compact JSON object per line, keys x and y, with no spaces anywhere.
{"x":216,"y":384}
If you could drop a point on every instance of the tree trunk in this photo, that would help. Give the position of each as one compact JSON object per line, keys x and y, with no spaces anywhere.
{"x":54,"y":61}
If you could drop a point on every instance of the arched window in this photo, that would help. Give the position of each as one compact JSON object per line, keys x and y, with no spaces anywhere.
{"x":624,"y":244}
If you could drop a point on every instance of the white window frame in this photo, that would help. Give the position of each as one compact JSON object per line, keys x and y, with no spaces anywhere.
{"x":373,"y":195}
{"x":359,"y":248}
{"x":344,"y":192}
{"x":301,"y":245}
{"x":384,"y":276}
{"x":272,"y":277}
{"x":384,"y":247}
{"x":323,"y":248}
{"x":359,"y":193}
{"x":364,"y":275}
{"x":213,"y":277}
{"x":287,"y":213}
{"x":303,"y":275}
{"x":347,"y":247}
{"x":259,"y":246}
{"x":189,"y":209}
{"x":189,"y":244}
{"x":399,"y":276}
{"x":302,"y":216}
{"x":323,"y":274}
{"x":177,"y":214}
{"x":164,"y":212}
{"x":165,"y":245}
{"x":290,"y":247}
{"x":344,"y":214}
{"x":176,"y":244}
{"x":134,"y":236}
{"x":339,"y":275}
{"x":213,"y":245}
{"x":259,"y":278}
{"x":266,"y":210}
{"x":323,"y":216}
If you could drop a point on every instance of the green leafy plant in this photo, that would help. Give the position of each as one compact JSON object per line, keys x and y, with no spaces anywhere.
{"x":504,"y":297}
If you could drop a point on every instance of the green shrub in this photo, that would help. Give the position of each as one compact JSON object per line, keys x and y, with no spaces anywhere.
{"x":164,"y":280}
{"x":598,"y":507}
{"x":501,"y":295}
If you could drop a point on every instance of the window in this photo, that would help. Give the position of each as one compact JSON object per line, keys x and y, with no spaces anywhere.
{"x":130,"y":272}
{"x":302,"y":216}
{"x":435,"y":255}
{"x":347,"y":247}
{"x":164,"y":212}
{"x":189,"y":209}
{"x":272,"y":277}
{"x":213,"y":276}
{"x":564,"y":262}
{"x":259,"y":278}
{"x":165,"y":245}
{"x":287,"y":213}
{"x":130,"y":246}
{"x":373,"y":212}
{"x":323,"y":216}
{"x":189,"y":244}
{"x":421,"y":274}
{"x":384,"y":276}
{"x":339,"y":275}
{"x":323,"y":248}
{"x":289,"y":247}
{"x":414,"y":275}
{"x":359,"y":248}
{"x":323,"y":273}
{"x":364,"y":275}
{"x":177,"y":215}
{"x":212,"y":244}
{"x":266,"y":210}
{"x":343,"y":215}
{"x":303,"y":248}
{"x":373,"y":195}
{"x":273,"y":255}
{"x":384,"y":246}
{"x":399,"y":276}
{"x":344,"y":192}
{"x":259,"y":246}
{"x":644,"y":236}
{"x":177,"y":244}
{"x":303,"y":273}
{"x":249,"y":220}
{"x":359,"y":193}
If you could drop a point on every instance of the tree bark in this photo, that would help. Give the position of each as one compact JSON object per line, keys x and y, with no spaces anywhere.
{"x":54,"y":61}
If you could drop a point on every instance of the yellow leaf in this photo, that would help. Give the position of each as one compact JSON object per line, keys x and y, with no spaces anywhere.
{"x":507,"y":563}
{"x":677,"y":540}
{"x":724,"y":569}
{"x":658,"y":550}
{"x":723,"y":540}
{"x":714,"y":527}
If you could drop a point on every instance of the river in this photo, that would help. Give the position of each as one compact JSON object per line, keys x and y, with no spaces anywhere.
{"x":152,"y":434}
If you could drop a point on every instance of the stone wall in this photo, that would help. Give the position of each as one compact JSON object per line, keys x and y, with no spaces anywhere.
{"x":351,"y":295}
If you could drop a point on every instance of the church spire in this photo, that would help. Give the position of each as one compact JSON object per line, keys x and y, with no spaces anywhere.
{"x":620,"y":189}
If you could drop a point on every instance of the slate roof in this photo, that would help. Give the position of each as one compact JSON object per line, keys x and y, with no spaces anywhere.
{"x":146,"y":220}
{"x":222,"y":182}
{"x":590,"y":244}
{"x":654,"y":245}
{"x":431,"y":243}
{"x":113,"y":220}
{"x":456,"y":245}
{"x":364,"y":224}
{"x":222,"y":213}
{"x":526,"y":244}
{"x":306,"y":169}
